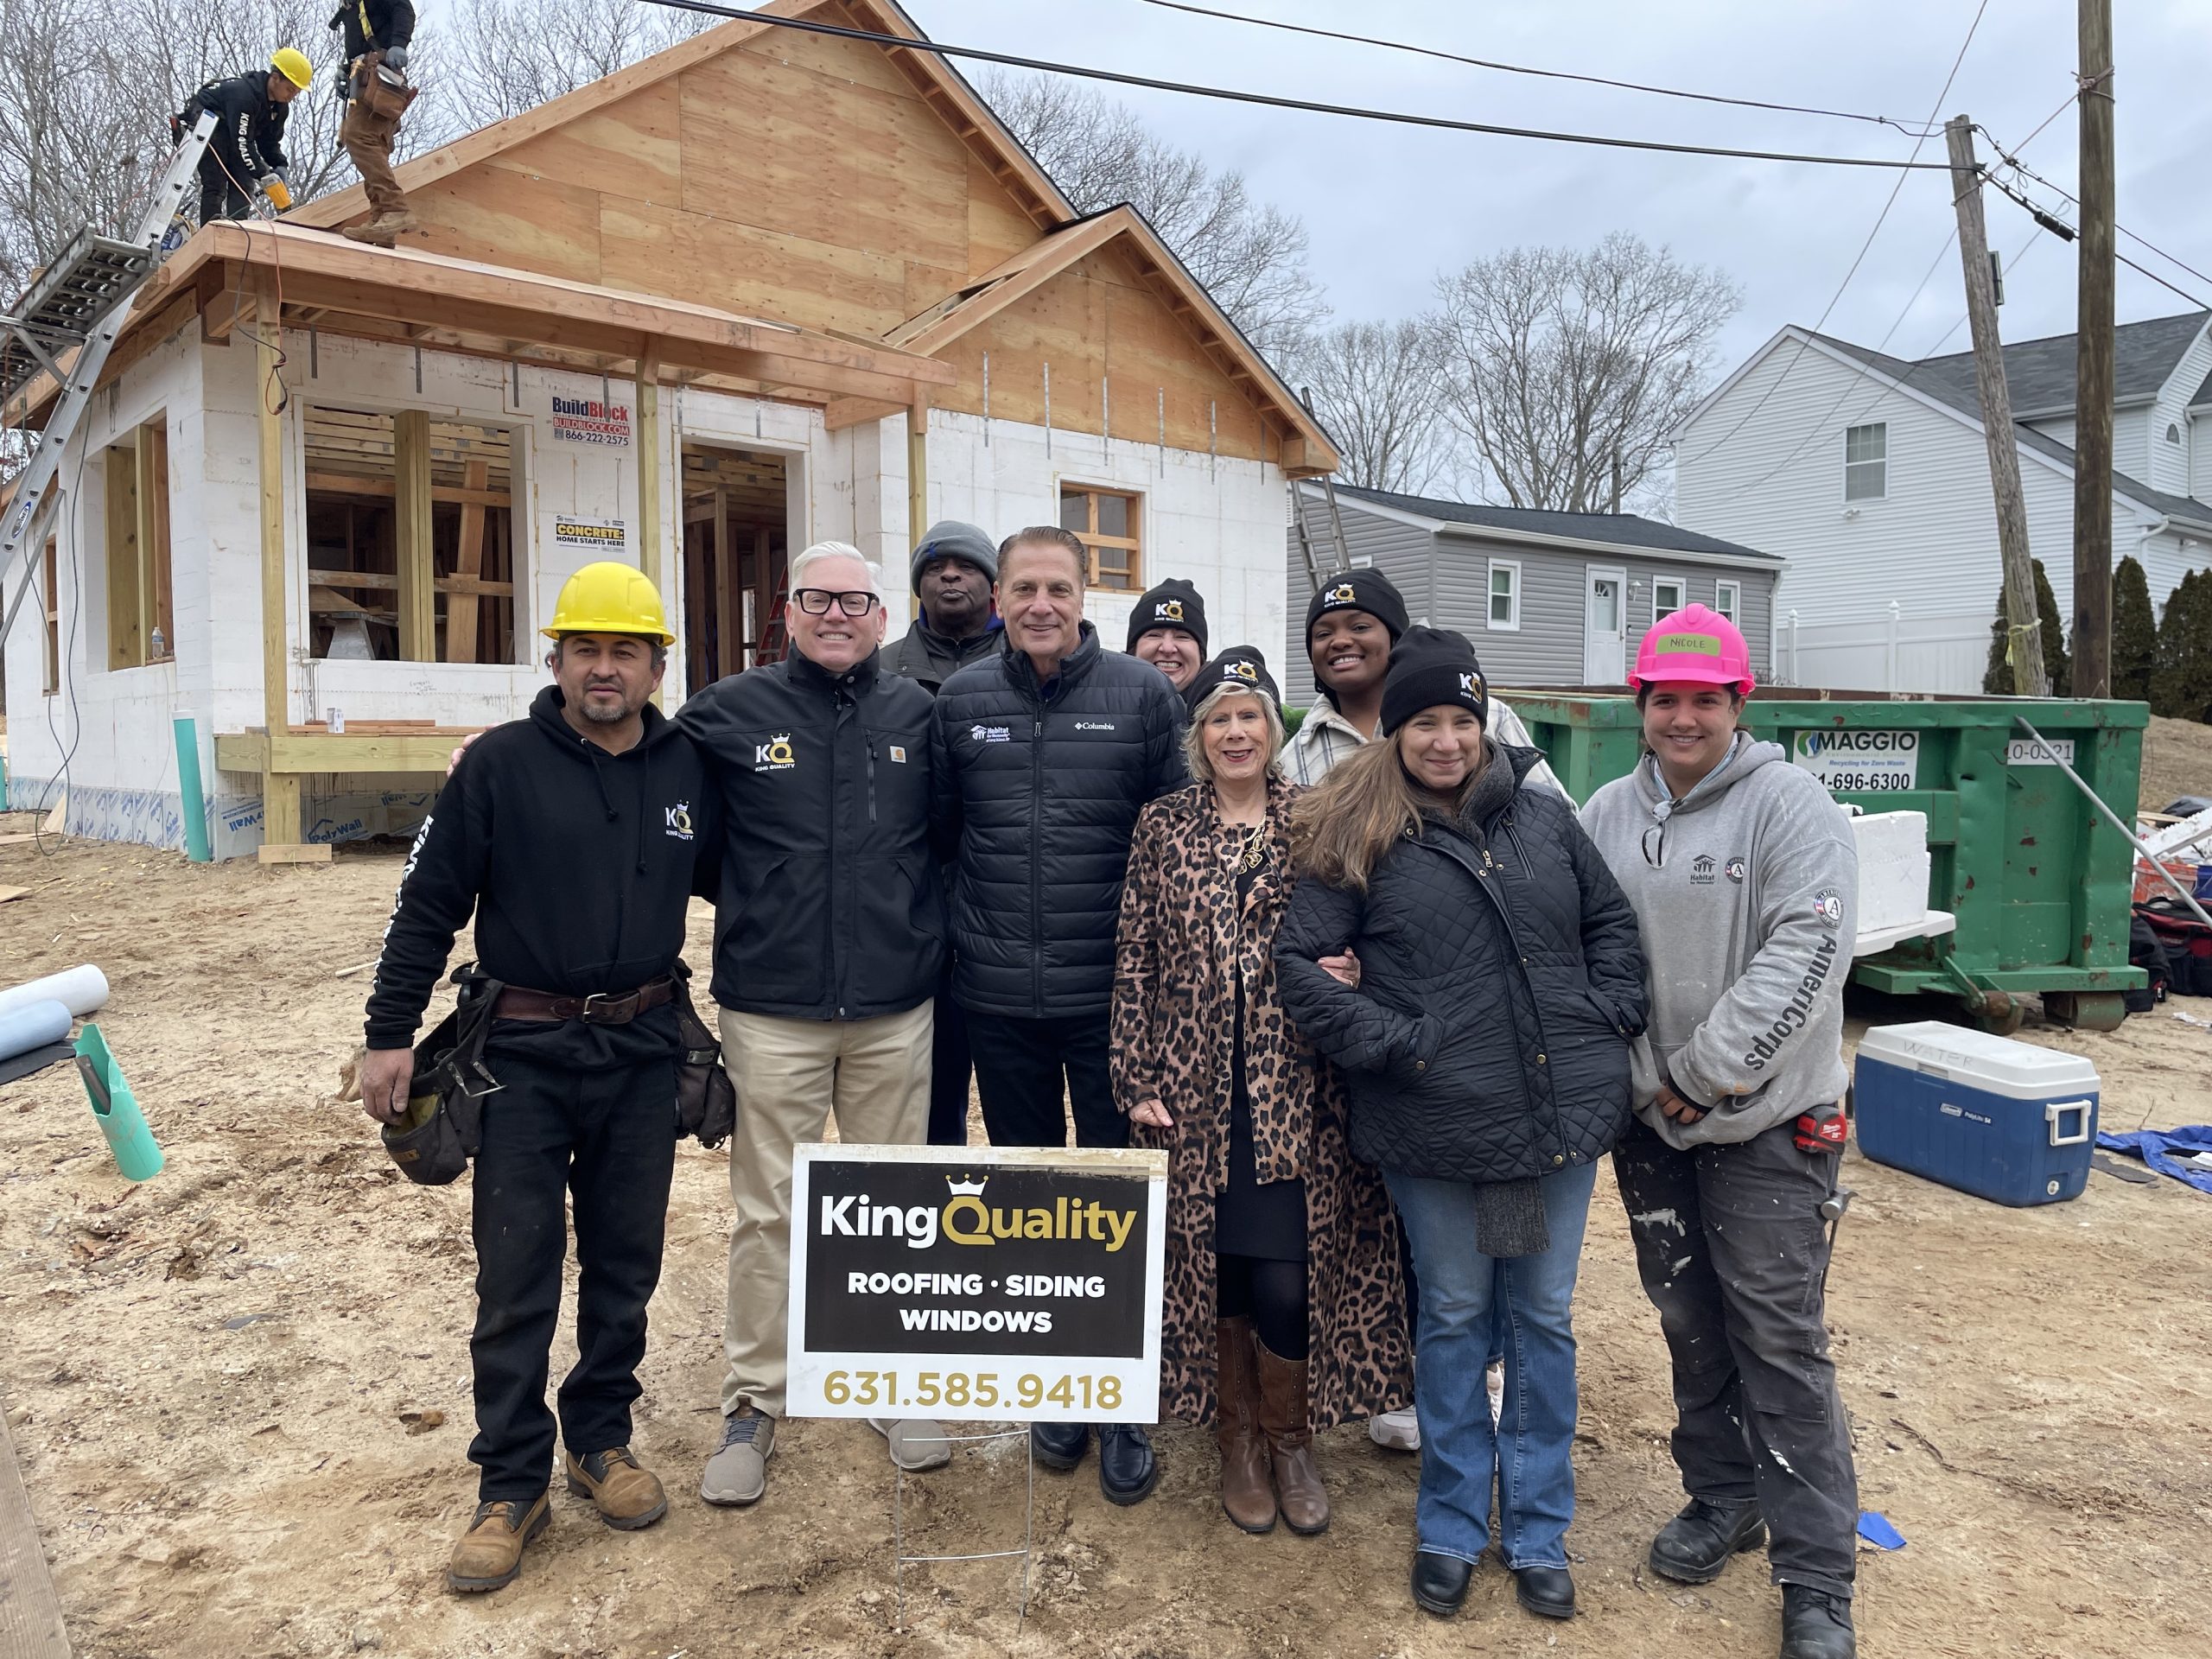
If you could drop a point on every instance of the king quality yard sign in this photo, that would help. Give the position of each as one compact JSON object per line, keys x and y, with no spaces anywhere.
{"x":972,"y":1284}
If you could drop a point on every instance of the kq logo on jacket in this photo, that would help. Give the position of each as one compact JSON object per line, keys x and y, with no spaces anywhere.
{"x":1168,"y":610}
{"x":775,"y":755}
{"x":679,"y":820}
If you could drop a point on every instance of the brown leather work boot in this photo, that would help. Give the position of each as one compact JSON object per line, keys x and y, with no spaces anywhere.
{"x":1283,"y":1420}
{"x":369,"y":232}
{"x":1246,"y":1493}
{"x":489,"y":1553}
{"x":625,"y":1495}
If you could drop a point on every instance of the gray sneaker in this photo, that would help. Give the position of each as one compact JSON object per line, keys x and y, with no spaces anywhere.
{"x":738,"y":1473}
{"x":916,"y":1443}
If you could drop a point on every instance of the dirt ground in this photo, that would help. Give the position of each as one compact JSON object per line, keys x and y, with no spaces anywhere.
{"x":2176,"y":761}
{"x":222,"y":1385}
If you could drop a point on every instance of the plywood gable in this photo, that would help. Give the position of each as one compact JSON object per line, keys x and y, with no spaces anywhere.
{"x":1115,"y":351}
{"x":800,"y":177}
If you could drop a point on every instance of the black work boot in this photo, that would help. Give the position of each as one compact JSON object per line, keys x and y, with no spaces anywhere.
{"x":1696,"y":1544}
{"x":1815,"y":1624}
{"x":1059,"y":1445}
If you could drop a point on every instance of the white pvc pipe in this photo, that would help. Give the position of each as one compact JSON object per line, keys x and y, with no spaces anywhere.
{"x":81,"y":990}
{"x":32,"y":1027}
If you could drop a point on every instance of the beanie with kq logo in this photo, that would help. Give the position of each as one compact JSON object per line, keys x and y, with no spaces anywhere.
{"x":1429,"y":667}
{"x":1175,"y":604}
{"x":1243,"y":667}
{"x":1366,"y":590}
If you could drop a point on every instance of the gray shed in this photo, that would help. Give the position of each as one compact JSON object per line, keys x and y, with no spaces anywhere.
{"x":1549,"y":598}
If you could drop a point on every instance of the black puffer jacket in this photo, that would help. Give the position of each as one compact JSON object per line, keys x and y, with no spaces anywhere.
{"x":1048,"y":783}
{"x":830,"y":905}
{"x":1501,"y":982}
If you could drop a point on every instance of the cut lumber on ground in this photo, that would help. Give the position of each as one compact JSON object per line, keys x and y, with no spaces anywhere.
{"x":30,"y":1618}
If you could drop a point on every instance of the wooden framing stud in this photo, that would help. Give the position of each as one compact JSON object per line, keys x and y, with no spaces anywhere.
{"x":412,"y":496}
{"x":918,"y":472}
{"x":315,"y":852}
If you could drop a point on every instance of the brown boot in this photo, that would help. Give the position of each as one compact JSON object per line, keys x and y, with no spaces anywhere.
{"x":369,"y":233}
{"x":489,"y":1553}
{"x":1283,"y":1420}
{"x":625,"y":1496}
{"x":1246,"y":1493}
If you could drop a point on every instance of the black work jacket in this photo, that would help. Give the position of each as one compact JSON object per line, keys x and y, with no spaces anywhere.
{"x":930,"y":658}
{"x":374,"y":25}
{"x":1501,"y":984}
{"x":249,"y":137}
{"x":579,"y":866}
{"x":831,"y":907}
{"x":1047,"y":783}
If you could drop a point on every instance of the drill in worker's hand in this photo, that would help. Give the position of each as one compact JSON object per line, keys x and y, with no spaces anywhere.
{"x":1823,"y":1129}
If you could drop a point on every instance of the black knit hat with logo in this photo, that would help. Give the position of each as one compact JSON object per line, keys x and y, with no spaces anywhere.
{"x":1429,"y":666}
{"x":1242,"y":667}
{"x":1175,"y":604}
{"x":1359,"y":590}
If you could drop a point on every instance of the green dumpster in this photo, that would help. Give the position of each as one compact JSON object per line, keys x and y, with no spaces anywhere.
{"x":2040,"y":883}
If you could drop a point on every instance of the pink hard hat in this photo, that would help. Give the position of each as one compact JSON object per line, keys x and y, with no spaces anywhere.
{"x":1695,"y":644}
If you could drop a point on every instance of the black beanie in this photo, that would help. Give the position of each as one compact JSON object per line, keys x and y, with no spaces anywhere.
{"x":1175,"y":604}
{"x":949,"y":538}
{"x":1244,"y":667}
{"x":1430,"y":666}
{"x":1359,"y":590}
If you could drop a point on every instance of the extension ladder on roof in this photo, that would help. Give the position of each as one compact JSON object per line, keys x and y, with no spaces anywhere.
{"x":77,"y":305}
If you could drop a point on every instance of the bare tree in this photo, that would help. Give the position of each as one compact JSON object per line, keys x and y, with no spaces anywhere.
{"x":1375,"y":385}
{"x":1564,"y":370}
{"x":530,"y":51}
{"x":1250,"y":255}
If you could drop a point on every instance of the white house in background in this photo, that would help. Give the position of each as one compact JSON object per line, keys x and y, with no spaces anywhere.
{"x":1870,"y":475}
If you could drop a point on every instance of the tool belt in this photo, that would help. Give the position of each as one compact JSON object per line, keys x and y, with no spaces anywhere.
{"x":444,"y":1125}
{"x":385,"y":93}
{"x":515,"y":1003}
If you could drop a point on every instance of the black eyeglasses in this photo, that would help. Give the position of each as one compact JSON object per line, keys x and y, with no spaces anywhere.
{"x":816,"y":602}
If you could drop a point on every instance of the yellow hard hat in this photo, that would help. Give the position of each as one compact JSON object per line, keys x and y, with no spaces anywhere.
{"x":609,"y":598}
{"x":293,"y":65}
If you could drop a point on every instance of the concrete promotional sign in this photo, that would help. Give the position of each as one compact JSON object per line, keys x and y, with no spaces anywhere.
{"x":980,"y":1283}
{"x":1860,"y":763}
{"x":602,"y":538}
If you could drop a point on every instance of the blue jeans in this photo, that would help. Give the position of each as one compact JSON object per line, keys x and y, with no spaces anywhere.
{"x":1524,"y":1302}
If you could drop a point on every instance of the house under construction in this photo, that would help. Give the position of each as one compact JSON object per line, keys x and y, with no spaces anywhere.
{"x":764,"y":288}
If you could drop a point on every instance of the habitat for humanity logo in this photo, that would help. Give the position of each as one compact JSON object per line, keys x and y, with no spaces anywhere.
{"x":775,"y":755}
{"x":991,"y":734}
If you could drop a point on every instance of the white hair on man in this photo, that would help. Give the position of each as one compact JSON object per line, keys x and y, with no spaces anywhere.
{"x":821,"y":551}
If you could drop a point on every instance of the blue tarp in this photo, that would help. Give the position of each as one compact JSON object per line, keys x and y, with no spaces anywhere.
{"x":2163,"y":1148}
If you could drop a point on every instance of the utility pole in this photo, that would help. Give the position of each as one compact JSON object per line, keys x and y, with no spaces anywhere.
{"x":2093,"y":369}
{"x":2024,"y":649}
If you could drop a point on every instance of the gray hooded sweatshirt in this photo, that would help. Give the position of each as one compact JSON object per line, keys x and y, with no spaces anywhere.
{"x":1747,"y":893}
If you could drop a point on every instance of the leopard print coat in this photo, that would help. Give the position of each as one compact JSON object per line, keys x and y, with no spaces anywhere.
{"x":1182,"y":935}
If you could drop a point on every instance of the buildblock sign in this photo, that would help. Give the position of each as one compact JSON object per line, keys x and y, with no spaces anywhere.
{"x":970,"y":1284}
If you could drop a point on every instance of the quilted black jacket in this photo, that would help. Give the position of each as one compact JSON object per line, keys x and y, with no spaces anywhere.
{"x":1501,"y":982}
{"x":1049,"y":781}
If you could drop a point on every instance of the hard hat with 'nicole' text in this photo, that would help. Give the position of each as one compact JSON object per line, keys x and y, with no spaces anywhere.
{"x":1695,"y":643}
{"x":292,"y":63}
{"x":609,"y":598}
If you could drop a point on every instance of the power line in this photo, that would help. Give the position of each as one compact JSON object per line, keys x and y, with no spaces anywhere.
{"x":2012,"y":160}
{"x":1272,"y":100}
{"x":1880,"y":220}
{"x":1523,"y":69}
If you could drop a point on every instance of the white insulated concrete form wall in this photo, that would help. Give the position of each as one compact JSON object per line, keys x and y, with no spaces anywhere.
{"x":1218,"y":522}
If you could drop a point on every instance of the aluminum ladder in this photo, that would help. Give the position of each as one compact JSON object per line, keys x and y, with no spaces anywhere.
{"x":77,"y":305}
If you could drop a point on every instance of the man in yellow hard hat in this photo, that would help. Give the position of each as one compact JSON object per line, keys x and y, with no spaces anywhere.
{"x":577,"y":836}
{"x":378,"y":35}
{"x":247,"y":150}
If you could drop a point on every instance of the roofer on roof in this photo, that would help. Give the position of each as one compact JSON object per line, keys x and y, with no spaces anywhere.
{"x":378,"y":34}
{"x":246,"y":151}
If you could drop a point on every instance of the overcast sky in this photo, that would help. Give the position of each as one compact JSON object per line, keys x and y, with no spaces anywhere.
{"x":1388,"y":207}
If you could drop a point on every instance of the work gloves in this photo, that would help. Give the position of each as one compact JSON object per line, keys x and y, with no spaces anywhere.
{"x":396,"y":58}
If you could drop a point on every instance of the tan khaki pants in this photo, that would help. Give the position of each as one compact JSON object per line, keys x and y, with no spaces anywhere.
{"x":368,"y":140}
{"x":791,"y":1075}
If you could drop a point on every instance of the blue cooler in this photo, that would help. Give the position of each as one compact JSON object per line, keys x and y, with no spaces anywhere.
{"x":2000,"y":1119}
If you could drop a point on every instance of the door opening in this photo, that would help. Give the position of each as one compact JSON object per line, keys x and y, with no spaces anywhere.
{"x":736,"y":550}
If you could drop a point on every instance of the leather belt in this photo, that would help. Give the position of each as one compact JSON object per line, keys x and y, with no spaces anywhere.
{"x":600,"y":1008}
